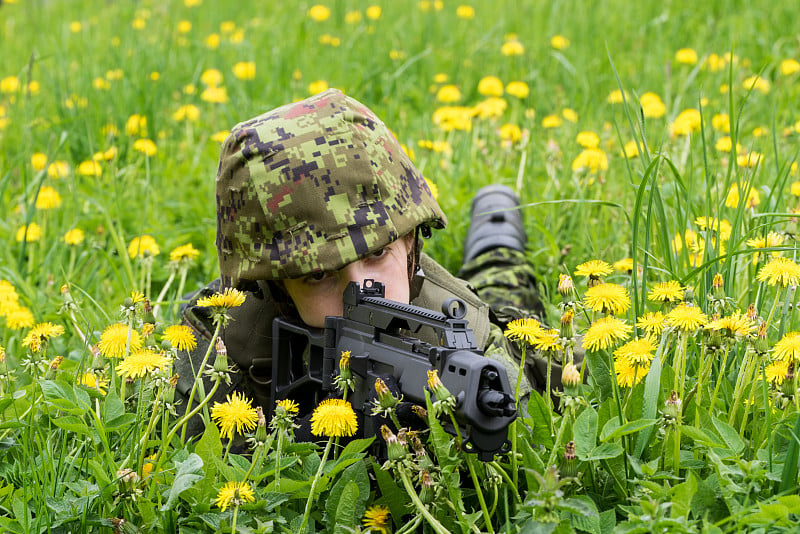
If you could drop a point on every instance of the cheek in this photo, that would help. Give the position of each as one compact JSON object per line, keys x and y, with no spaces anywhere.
{"x":313,"y":307}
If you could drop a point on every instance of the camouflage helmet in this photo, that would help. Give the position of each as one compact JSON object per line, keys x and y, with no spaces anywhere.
{"x":313,"y":186}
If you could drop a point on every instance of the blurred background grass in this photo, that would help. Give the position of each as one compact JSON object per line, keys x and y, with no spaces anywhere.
{"x":84,"y":68}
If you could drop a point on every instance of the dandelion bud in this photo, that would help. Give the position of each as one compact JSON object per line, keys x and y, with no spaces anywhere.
{"x":570,"y":379}
{"x":148,"y":316}
{"x":148,"y":329}
{"x":672,"y":408}
{"x":761,"y":343}
{"x":565,"y":285}
{"x":437,"y":387}
{"x":344,"y":365}
{"x":420,"y":412}
{"x":719,"y":286}
{"x":56,"y":363}
{"x":567,"y":331}
{"x":428,"y":492}
{"x":97,"y":358}
{"x":569,"y":462}
{"x":386,"y":400}
{"x":688,"y":295}
{"x":394,"y":449}
{"x":127,"y":479}
{"x":752,"y":314}
{"x":128,"y":302}
{"x":261,"y":427}
{"x":221,"y":361}
{"x":169,"y":390}
{"x":788,"y":386}
{"x":166,"y":346}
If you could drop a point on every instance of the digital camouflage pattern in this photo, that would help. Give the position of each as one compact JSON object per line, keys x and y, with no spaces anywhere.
{"x":313,"y":186}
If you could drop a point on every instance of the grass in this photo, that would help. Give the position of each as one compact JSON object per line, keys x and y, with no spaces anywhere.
{"x":76,"y":75}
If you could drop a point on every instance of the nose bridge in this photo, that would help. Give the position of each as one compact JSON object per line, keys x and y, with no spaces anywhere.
{"x":355,"y":272}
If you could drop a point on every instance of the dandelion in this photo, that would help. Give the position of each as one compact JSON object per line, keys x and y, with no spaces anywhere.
{"x":604,"y":333}
{"x":38,"y":161}
{"x":588,"y":139}
{"x":721,"y":227}
{"x":183,"y":253}
{"x":29,"y":233}
{"x":524,"y":330}
{"x":114,"y":339}
{"x":569,"y":115}
{"x":319,"y":13}
{"x":146,"y":147}
{"x":92,"y":381}
{"x":686,"y":317}
{"x":142,"y":247}
{"x":615,"y":97}
{"x":721,"y":122}
{"x":181,"y":337}
{"x":189,"y":113}
{"x":376,"y":519}
{"x":518,"y":89}
{"x":512,"y":47}
{"x":551,"y":121}
{"x":465,"y":12}
{"x":58,"y":169}
{"x":625,"y":265}
{"x":652,"y":106}
{"x":788,"y":348}
{"x":776,"y":371}
{"x":214,"y":95}
{"x":90,"y":168}
{"x":652,"y":323}
{"x":491,"y":108}
{"x":593,"y":269}
{"x":559,"y":42}
{"x":334,"y":418}
{"x":143,"y":363}
{"x":490,"y":86}
{"x":686,"y":56}
{"x":789,"y":67}
{"x":448,"y":94}
{"x":687,"y":122}
{"x":234,"y":494}
{"x":772,"y":239}
{"x":780,"y":272}
{"x":732,"y":200}
{"x":758,"y":83}
{"x":666,"y":292}
{"x":245,"y":70}
{"x":637,"y":351}
{"x":230,"y":298}
{"x":287,"y":405}
{"x":48,"y":198}
{"x":40,"y":334}
{"x":510,"y":133}
{"x":628,"y":373}
{"x":608,"y":298}
{"x":236,"y":415}
{"x":18,"y":318}
{"x":734,"y":325}
{"x":317,"y":86}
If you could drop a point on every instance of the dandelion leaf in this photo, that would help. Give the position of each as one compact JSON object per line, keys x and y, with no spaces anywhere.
{"x":539,"y":420}
{"x":355,"y":475}
{"x":585,"y":432}
{"x":582,"y":514}
{"x":346,"y":509}
{"x":600,"y":373}
{"x":391,"y":494}
{"x":188,"y":472}
{"x":729,"y":435}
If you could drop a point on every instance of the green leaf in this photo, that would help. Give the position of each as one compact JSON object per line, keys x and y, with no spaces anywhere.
{"x":729,"y":435}
{"x":584,"y":432}
{"x":649,"y":404}
{"x":601,"y":374}
{"x":112,"y":408}
{"x":188,"y":472}
{"x":700,"y":436}
{"x":73,"y":424}
{"x":604,"y":452}
{"x":682,"y":495}
{"x":393,"y":495}
{"x":345,"y":511}
{"x":608,"y":520}
{"x":357,"y":446}
{"x":628,"y":428}
{"x":540,"y":420}
{"x":789,"y":475}
{"x":60,"y":396}
{"x":582,"y":514}
{"x":355,"y":474}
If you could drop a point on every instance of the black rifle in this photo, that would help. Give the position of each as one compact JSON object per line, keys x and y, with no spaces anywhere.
{"x":305,"y":361}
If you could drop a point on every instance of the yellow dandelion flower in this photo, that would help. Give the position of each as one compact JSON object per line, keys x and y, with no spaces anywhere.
{"x":591,"y":160}
{"x":143,"y":363}
{"x":74,"y":237}
{"x":41,"y":333}
{"x":735,"y":324}
{"x":652,"y":106}
{"x":510,"y":133}
{"x":652,"y":323}
{"x":288,"y":405}
{"x":630,"y":150}
{"x":58,"y":169}
{"x":376,"y":519}
{"x":211,"y":77}
{"x":29,"y":233}
{"x":776,"y":372}
{"x":721,"y":227}
{"x":686,"y":317}
{"x":18,"y":318}
{"x":184,"y":252}
{"x":588,"y":139}
{"x":721,"y":122}
{"x":628,"y":373}
{"x":317,"y":86}
{"x":449,"y":94}
{"x":666,"y":292}
{"x":593,"y":269}
{"x":146,"y":147}
{"x":518,"y":89}
{"x":524,"y":330}
{"x":214,"y":95}
{"x":732,"y":200}
{"x":789,"y":67}
{"x":624,"y":265}
{"x":548,"y":340}
{"x":605,"y":333}
{"x":637,"y":351}
{"x":490,"y":108}
{"x":319,"y":13}
{"x":188,"y":113}
{"x":490,"y":86}
{"x":90,"y":168}
{"x":772,"y":239}
{"x":114,"y":339}
{"x":551,"y":121}
{"x":235,"y":416}
{"x":608,"y":298}
{"x":245,"y":70}
{"x":780,"y":272}
{"x":181,"y":337}
{"x":334,"y":418}
{"x":687,"y":122}
{"x":92,"y":381}
{"x":434,"y":189}
{"x":569,"y":115}
{"x":686,"y":56}
{"x":38,"y":161}
{"x":143,"y":246}
{"x":757,"y":83}
{"x":235,"y":493}
{"x":465,"y":12}
{"x":230,"y":298}
{"x":512,"y":47}
{"x":616,"y":97}
{"x":48,"y":198}
{"x":559,"y":42}
{"x":788,"y":348}
{"x":220,"y":136}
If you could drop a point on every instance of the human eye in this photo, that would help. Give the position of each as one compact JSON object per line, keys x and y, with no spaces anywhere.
{"x":379,"y":253}
{"x":316,"y":278}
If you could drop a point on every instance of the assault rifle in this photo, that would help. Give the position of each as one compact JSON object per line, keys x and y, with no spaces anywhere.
{"x":306,"y":360}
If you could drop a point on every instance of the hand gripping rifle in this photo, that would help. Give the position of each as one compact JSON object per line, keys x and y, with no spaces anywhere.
{"x":306,"y":359}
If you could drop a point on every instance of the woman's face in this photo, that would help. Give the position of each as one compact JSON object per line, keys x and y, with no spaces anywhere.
{"x":319,"y":295}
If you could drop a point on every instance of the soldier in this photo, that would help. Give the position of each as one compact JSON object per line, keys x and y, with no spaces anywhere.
{"x":317,"y":193}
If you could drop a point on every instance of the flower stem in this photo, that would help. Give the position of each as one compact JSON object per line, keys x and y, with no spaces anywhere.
{"x":475,"y":482}
{"x":233,"y":521}
{"x":437,"y":527}
{"x":198,"y":378}
{"x":720,"y":378}
{"x":311,"y":499}
{"x":513,"y":426}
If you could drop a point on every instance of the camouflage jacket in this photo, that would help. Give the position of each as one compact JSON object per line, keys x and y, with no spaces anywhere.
{"x":248,"y":339}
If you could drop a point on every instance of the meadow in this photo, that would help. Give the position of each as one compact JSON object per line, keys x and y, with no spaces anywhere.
{"x":654,"y":146}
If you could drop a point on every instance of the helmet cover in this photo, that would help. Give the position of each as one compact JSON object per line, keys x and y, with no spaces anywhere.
{"x":313,"y":186}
